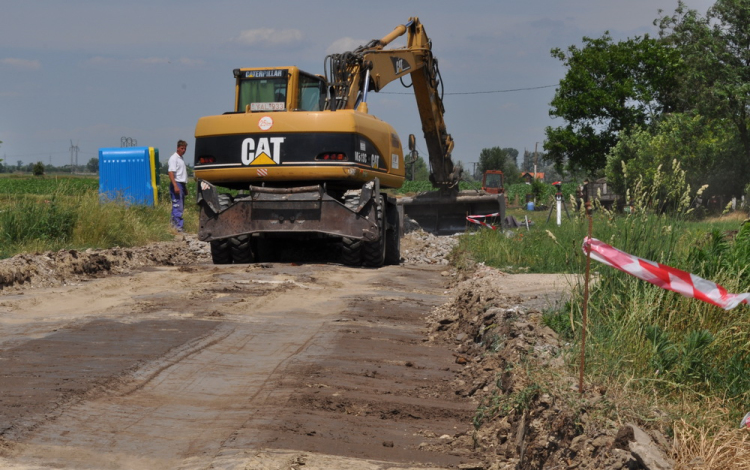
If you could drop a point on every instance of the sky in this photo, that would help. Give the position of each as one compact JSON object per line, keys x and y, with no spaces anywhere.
{"x":88,"y":73}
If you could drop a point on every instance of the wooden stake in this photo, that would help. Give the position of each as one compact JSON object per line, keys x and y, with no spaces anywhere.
{"x":585,"y":300}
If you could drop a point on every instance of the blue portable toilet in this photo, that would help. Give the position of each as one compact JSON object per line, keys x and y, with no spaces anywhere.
{"x":129,"y":174}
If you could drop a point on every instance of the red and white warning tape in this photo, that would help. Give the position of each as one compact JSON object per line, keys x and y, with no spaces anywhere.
{"x":475,"y":220}
{"x":664,"y":276}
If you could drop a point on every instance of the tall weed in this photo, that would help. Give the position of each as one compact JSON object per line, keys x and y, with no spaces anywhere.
{"x":69,"y":214}
{"x":651,"y":338}
{"x":31,"y":219}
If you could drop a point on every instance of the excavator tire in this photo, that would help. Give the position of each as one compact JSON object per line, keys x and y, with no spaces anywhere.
{"x":351,"y":248}
{"x":373,"y":253}
{"x":393,"y":237}
{"x":243,"y":249}
{"x":221,"y":250}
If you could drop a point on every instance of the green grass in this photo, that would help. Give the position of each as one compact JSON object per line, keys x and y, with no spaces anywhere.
{"x":53,"y":213}
{"x":16,"y":184}
{"x":650,"y":338}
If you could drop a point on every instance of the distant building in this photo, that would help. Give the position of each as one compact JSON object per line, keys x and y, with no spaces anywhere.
{"x":529,"y":176}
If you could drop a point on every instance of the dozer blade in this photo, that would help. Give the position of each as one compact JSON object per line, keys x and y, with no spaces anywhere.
{"x":446,"y":215}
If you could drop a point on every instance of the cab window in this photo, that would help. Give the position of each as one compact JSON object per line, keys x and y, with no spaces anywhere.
{"x":312,"y":93}
{"x":263,"y":94}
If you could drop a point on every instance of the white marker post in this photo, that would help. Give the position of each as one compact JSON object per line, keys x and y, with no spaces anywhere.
{"x":559,"y":204}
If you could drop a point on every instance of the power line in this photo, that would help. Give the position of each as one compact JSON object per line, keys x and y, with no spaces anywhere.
{"x":501,"y":91}
{"x":479,"y":92}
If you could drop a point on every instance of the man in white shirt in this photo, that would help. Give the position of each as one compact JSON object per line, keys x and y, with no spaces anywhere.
{"x":178,"y":184}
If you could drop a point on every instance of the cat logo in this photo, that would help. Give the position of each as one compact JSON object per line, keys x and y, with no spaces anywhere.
{"x":267,"y":151}
{"x":400,"y":65}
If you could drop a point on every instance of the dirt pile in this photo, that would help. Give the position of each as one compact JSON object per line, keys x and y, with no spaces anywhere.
{"x":63,"y":267}
{"x":420,"y":247}
{"x":529,"y":412}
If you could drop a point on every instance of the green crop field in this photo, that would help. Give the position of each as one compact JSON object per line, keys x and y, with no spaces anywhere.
{"x":40,"y":213}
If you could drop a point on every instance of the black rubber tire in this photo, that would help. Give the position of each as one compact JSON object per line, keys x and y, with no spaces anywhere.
{"x":351,"y":248}
{"x":243,"y":249}
{"x":373,"y":253}
{"x":221,"y":250}
{"x":393,"y":239}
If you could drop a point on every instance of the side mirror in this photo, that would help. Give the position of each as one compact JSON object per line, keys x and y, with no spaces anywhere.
{"x":412,"y":143}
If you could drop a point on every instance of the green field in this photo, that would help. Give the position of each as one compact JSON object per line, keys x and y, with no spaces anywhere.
{"x":65,"y":212}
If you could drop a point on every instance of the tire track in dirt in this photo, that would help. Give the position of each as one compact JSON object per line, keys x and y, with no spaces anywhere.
{"x":142,"y":390}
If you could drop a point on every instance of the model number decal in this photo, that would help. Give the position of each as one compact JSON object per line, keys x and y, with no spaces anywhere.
{"x":266,"y":151}
{"x":361,"y":157}
{"x":367,"y":159}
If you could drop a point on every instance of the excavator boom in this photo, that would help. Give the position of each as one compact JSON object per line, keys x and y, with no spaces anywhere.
{"x":381,"y":67}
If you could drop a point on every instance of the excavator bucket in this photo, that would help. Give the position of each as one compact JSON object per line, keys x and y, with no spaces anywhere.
{"x":446,"y":215}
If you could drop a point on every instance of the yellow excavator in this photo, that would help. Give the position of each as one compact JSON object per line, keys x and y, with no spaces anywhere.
{"x":306,"y":159}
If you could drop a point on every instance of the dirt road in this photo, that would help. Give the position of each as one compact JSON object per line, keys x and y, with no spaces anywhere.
{"x":232,"y":367}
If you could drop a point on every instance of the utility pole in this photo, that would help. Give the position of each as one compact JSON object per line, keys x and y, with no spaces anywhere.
{"x":73,"y":156}
{"x":535,"y":159}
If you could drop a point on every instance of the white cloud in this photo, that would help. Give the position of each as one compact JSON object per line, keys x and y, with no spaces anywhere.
{"x":100,"y":61}
{"x":191,"y":62}
{"x":21,"y":64}
{"x":269,"y":37}
{"x":153,"y":61}
{"x":345,"y":44}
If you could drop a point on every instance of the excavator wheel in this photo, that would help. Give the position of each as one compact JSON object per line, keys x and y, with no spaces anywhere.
{"x":243,"y":249}
{"x":393,"y":236}
{"x":221,"y":250}
{"x":373,"y":253}
{"x":351,"y":248}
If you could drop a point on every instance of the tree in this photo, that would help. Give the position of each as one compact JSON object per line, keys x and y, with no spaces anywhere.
{"x":529,"y":158}
{"x":609,"y":87}
{"x":496,"y":158}
{"x":704,"y":149}
{"x":417,"y":170}
{"x":492,"y":159}
{"x":93,"y":165}
{"x":716,"y":50}
{"x":512,"y":155}
{"x":38,"y":169}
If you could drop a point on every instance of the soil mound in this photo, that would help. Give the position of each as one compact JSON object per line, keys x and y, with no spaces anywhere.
{"x":530,"y":414}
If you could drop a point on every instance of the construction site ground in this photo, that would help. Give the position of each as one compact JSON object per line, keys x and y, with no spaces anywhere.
{"x":154,"y":358}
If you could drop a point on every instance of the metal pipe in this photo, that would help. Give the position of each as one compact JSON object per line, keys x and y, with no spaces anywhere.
{"x":398,"y":31}
{"x":367,"y":83}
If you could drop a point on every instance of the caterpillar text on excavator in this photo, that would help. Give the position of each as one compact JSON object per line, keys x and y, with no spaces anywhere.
{"x":306,"y":159}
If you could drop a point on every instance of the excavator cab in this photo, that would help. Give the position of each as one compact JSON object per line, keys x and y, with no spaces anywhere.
{"x":278,"y":89}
